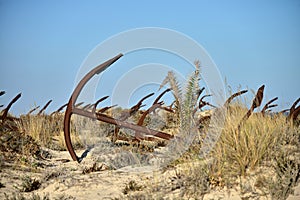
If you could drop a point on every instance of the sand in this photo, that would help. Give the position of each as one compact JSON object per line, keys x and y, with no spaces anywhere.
{"x":61,"y":177}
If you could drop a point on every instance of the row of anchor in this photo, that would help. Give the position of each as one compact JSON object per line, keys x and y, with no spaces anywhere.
{"x":141,"y":132}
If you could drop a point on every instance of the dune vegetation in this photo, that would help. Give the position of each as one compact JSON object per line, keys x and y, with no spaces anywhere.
{"x":256,"y":155}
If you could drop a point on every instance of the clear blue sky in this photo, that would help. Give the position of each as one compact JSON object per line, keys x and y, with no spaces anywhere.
{"x":43,"y":43}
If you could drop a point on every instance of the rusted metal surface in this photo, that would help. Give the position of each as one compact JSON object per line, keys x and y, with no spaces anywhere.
{"x":97,"y":102}
{"x":32,"y":110}
{"x":148,"y":111}
{"x":228,"y":101}
{"x":102,"y":110}
{"x":203,"y":103}
{"x":269,"y":105}
{"x":45,"y":107}
{"x":258,"y":97}
{"x":71,"y":104}
{"x":138,"y":135}
{"x":255,"y":103}
{"x":124,"y":124}
{"x":5,"y":117}
{"x":293,"y":109}
{"x":200,"y":92}
{"x":5,"y":111}
{"x":59,"y":109}
{"x":87,"y":106}
{"x":206,"y":119}
{"x":156,"y":104}
{"x":168,"y":109}
{"x":142,"y":132}
{"x":99,"y":115}
{"x":171,"y":105}
{"x":161,"y":95}
{"x":136,"y":107}
{"x":78,"y":104}
{"x":158,"y":98}
{"x":295,"y":114}
{"x":284,"y":111}
{"x":126,"y":114}
{"x":203,"y":120}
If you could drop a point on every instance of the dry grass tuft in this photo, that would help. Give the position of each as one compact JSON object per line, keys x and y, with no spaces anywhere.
{"x":132,"y":186}
{"x":46,"y":130}
{"x":239,"y":150}
{"x":29,"y":184}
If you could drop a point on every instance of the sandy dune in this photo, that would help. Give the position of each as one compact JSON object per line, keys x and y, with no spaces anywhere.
{"x":61,"y":178}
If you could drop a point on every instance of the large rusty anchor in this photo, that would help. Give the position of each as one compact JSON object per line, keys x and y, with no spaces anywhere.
{"x":73,"y":109}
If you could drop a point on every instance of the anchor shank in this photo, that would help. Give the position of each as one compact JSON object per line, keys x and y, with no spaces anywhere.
{"x":110,"y":120}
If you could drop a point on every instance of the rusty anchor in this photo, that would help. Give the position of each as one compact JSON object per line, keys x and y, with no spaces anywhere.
{"x":73,"y":109}
{"x":5,"y":111}
{"x":269,"y":105}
